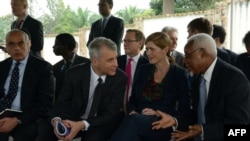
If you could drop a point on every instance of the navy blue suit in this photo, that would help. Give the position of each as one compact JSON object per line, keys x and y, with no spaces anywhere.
{"x":228,"y":100}
{"x":175,"y":101}
{"x":72,"y":103}
{"x":37,"y":93}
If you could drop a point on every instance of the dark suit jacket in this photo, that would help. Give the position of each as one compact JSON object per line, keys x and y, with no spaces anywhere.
{"x":114,"y":30}
{"x":228,"y":100}
{"x":175,"y":91}
{"x":59,"y":76}
{"x":37,"y":90}
{"x":122,"y":62}
{"x":222,"y":54}
{"x":72,"y":102}
{"x":232,"y":55}
{"x":35,"y":29}
{"x":243,"y":63}
{"x":179,"y":57}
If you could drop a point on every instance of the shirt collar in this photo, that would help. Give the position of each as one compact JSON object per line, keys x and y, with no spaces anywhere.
{"x":135,"y":58}
{"x":23,"y":62}
{"x":107,"y":18}
{"x":95,"y":77}
{"x":72,"y":60}
{"x":209,"y":71}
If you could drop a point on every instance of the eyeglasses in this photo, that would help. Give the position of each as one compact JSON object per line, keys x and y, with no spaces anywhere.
{"x":188,"y":55}
{"x":129,"y":41}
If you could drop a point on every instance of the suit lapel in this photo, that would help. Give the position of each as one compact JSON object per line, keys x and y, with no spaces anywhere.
{"x":213,"y":82}
{"x":85,"y":86}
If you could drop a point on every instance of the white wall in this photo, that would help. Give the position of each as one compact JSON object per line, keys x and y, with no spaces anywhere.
{"x":180,"y":22}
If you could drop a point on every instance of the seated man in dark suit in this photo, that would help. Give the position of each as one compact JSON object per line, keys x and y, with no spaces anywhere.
{"x":226,"y":92}
{"x":108,"y":26}
{"x":75,"y":104}
{"x":133,"y":44}
{"x":65,"y":45}
{"x":25,"y":21}
{"x":32,"y":92}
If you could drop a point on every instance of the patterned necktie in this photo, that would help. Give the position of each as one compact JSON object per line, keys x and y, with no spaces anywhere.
{"x":96,"y":98}
{"x":8,"y":99}
{"x":202,"y":101}
{"x":129,"y":74}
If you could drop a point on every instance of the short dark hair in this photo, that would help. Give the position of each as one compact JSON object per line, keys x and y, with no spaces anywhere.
{"x":220,"y":32}
{"x":201,"y":24}
{"x":246,"y":39}
{"x":67,"y":39}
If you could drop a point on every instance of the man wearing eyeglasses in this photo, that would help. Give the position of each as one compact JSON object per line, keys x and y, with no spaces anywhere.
{"x":133,"y":44}
{"x":108,"y":26}
{"x":226,"y":92}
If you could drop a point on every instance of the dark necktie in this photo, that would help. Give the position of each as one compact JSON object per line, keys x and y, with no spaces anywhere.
{"x":103,"y":24}
{"x":202,"y":101}
{"x":18,"y":24}
{"x":129,"y":74}
{"x":8,"y":99}
{"x":65,"y":67}
{"x":96,"y":98}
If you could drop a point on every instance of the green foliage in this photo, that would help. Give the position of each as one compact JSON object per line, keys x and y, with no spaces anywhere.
{"x":194,"y":5}
{"x":129,"y":13}
{"x":182,"y":6}
{"x":5,"y":23}
{"x":156,"y":5}
{"x":64,"y":19}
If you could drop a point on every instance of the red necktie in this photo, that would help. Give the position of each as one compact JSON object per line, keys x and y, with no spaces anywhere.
{"x":129,"y":74}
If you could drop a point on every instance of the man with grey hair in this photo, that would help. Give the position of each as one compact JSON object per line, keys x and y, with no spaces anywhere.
{"x":173,"y":34}
{"x":74,"y":106}
{"x":226,"y":92}
{"x":26,"y":84}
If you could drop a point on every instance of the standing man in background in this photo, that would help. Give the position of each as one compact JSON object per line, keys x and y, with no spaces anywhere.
{"x":25,"y":21}
{"x":173,"y":34}
{"x":219,"y":35}
{"x":203,"y":25}
{"x":108,"y":26}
